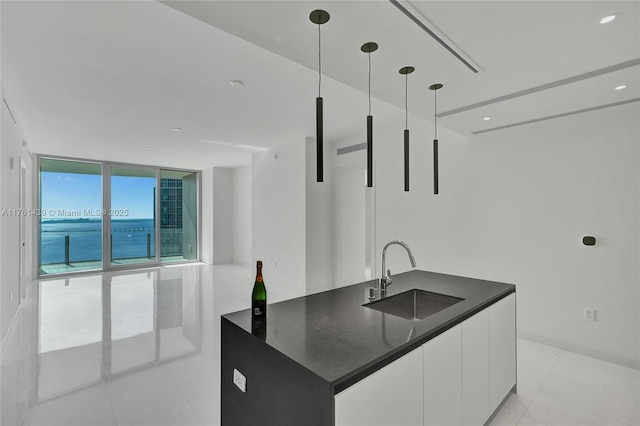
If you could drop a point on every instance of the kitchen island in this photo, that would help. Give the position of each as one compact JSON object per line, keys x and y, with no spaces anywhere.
{"x":326,"y":359}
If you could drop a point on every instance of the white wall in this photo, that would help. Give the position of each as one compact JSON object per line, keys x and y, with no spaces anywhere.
{"x":12,"y":152}
{"x":206,"y":251}
{"x":226,"y":215}
{"x":319,"y":220}
{"x":291,"y":217}
{"x":349,"y":214}
{"x":514,"y":206}
{"x":278,"y":214}
{"x":222,"y":215}
{"x":242,"y":216}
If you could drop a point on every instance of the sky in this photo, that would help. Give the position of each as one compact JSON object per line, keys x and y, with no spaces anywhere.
{"x":79,"y":192}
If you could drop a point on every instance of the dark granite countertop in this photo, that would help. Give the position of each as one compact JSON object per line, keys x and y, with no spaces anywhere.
{"x":333,"y":335}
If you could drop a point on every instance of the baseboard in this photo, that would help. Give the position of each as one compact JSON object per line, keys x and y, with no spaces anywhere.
{"x":594,"y":353}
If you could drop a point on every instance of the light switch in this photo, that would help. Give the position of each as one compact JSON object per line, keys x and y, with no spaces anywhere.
{"x":240,"y":380}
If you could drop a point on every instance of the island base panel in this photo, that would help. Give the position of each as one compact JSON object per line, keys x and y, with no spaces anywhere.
{"x":279,"y":391}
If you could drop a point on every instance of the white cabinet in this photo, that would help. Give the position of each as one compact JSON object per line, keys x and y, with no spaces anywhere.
{"x":457,"y":378}
{"x":390,"y":396}
{"x":443,"y":379}
{"x":488,"y":360}
{"x":502,"y":349}
{"x":475,"y":369}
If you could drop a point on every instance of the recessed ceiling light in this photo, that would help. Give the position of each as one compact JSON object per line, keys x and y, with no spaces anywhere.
{"x":177,"y":129}
{"x":237,"y":83}
{"x":607,"y":19}
{"x":487,"y":118}
{"x":622,"y":86}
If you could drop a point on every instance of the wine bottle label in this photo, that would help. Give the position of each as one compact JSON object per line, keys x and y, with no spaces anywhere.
{"x":258,"y":309}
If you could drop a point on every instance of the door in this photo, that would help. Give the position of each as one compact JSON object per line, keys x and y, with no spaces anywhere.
{"x":178,"y":218}
{"x":390,"y":396}
{"x":24,"y":268}
{"x":71,"y":220}
{"x":475,"y":369}
{"x":130,"y":216}
{"x":502,"y":349}
{"x":443,"y":379}
{"x":350,"y":226}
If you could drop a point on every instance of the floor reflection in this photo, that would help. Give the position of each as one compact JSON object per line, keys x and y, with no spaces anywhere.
{"x":112,"y":325}
{"x":127,"y":348}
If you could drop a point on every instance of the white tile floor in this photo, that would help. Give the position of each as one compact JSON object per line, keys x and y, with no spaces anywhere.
{"x":142,"y":348}
{"x":557,"y":387}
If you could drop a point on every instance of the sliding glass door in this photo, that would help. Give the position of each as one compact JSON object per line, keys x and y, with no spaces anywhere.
{"x":178,"y":215}
{"x":98,"y":216}
{"x":131,"y":215}
{"x":70,"y":219}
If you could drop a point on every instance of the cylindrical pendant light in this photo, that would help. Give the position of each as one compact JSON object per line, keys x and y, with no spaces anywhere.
{"x":435,"y":88}
{"x":319,"y":17}
{"x":406,"y":71}
{"x":368,"y":48}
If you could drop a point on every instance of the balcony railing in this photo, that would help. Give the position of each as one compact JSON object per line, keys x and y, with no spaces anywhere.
{"x":141,"y":247}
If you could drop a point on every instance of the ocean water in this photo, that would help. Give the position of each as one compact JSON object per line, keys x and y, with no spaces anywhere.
{"x":129,"y":239}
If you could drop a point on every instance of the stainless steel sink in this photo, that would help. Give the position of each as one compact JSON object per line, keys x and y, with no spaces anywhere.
{"x":414,"y":304}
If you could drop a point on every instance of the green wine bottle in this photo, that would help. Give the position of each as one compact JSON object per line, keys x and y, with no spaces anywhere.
{"x":259,"y":295}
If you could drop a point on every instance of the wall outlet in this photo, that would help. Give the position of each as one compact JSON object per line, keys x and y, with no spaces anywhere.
{"x":589,"y":314}
{"x":240,"y":380}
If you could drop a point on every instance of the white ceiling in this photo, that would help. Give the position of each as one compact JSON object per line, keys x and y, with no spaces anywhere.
{"x":110,"y":80}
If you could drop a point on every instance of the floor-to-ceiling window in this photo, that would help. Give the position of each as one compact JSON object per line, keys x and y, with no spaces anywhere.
{"x":132,"y":211}
{"x":100,"y":215}
{"x":178,"y":215}
{"x":70,"y":216}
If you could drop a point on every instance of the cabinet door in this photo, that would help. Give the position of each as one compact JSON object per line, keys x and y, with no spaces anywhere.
{"x":475,"y":369}
{"x":390,"y":396}
{"x":502,"y":349}
{"x":443,"y":379}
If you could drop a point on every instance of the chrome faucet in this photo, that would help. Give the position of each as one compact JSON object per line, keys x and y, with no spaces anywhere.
{"x":385,"y":278}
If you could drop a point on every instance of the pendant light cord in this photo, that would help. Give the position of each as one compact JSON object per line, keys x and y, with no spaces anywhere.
{"x":369,"y":83}
{"x":319,"y":60}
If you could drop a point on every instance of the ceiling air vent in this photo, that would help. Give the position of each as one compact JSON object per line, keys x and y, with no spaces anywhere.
{"x":417,"y":18}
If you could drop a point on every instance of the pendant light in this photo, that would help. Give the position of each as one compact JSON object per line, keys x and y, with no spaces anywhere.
{"x":368,"y":48}
{"x":319,"y":17}
{"x":435,"y":88}
{"x":406,"y":71}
